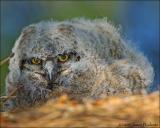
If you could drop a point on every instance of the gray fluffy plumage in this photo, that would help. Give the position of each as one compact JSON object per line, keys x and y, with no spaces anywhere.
{"x":100,"y":63}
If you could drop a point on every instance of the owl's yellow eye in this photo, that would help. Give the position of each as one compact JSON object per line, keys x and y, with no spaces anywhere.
{"x":36,"y":61}
{"x":63,"y":58}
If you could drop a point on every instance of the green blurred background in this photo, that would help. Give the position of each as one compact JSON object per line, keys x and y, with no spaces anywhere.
{"x":139,"y":21}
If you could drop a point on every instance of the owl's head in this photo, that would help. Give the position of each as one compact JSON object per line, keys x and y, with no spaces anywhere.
{"x":51,"y":56}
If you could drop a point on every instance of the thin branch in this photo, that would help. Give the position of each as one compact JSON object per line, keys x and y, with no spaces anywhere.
{"x":5,"y":98}
{"x":6,"y":59}
{"x":11,"y":95}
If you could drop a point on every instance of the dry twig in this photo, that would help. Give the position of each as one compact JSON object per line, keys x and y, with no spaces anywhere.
{"x":6,"y":59}
{"x":11,"y":95}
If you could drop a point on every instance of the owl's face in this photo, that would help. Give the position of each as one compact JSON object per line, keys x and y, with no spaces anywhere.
{"x":47,"y":61}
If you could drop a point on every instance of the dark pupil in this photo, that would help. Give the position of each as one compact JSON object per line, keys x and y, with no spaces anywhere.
{"x":36,"y":60}
{"x":63,"y":57}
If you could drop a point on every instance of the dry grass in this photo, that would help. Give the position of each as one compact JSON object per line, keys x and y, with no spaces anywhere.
{"x":132,"y":111}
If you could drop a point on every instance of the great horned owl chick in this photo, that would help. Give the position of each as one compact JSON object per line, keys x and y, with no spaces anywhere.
{"x":79,"y":57}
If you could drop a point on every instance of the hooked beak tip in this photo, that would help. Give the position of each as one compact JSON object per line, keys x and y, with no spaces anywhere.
{"x":50,"y":76}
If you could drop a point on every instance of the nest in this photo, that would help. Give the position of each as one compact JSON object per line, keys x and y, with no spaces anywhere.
{"x":130,"y":111}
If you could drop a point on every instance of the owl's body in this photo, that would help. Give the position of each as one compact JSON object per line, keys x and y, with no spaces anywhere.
{"x":82,"y":58}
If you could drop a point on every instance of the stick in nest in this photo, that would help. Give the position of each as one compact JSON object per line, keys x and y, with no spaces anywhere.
{"x":11,"y":95}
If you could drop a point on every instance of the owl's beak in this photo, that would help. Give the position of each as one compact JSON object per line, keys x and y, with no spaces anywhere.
{"x":50,"y":70}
